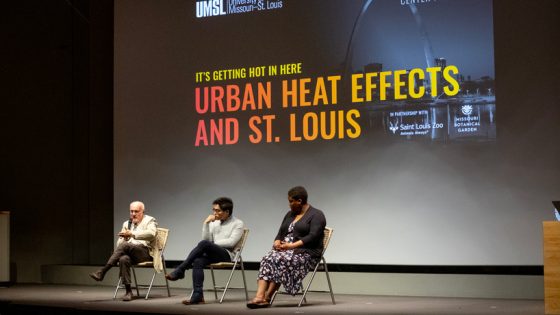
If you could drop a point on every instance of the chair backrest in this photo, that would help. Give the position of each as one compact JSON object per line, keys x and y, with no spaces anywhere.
{"x":238,"y":248}
{"x":159,"y":246}
{"x":326,"y":238}
{"x":161,"y":238}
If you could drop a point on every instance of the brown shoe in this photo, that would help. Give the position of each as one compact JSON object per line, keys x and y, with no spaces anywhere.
{"x":170,"y":277}
{"x":127,"y":297}
{"x":97,"y":276}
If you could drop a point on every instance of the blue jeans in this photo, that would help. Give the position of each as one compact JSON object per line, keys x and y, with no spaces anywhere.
{"x":203,"y":254}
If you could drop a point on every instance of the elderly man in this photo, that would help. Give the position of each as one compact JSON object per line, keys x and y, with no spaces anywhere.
{"x":135,"y":245}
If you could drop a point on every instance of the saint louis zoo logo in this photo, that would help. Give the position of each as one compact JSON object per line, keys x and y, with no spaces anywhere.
{"x":394,"y":127}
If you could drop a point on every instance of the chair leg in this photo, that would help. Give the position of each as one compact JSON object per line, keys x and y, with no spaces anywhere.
{"x":166,"y":281}
{"x":214,"y":283}
{"x":244,"y":281}
{"x":228,"y":282}
{"x":150,"y":286}
{"x":118,"y":287}
{"x":273,"y":297}
{"x":135,"y":281}
{"x":328,"y":280}
{"x":308,"y":285}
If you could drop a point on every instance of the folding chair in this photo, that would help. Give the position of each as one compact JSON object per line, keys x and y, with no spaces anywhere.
{"x":321,"y":264}
{"x":161,"y":241}
{"x":237,"y":262}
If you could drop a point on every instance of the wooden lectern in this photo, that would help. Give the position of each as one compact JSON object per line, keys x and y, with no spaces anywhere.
{"x":551,"y":252}
{"x":4,"y":247}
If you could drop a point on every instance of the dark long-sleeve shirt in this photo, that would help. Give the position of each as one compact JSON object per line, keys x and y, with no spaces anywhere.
{"x":309,"y":229}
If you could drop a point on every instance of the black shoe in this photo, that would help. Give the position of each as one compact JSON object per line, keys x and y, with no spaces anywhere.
{"x":127,"y":297}
{"x":172,"y":277}
{"x":97,"y":276}
{"x":258,"y":304}
{"x":195,"y":299}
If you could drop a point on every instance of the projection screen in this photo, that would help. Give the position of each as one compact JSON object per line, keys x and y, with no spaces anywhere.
{"x":386,"y":111}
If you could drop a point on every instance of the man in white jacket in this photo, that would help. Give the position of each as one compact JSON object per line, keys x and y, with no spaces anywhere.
{"x":135,"y":245}
{"x":220,"y":233}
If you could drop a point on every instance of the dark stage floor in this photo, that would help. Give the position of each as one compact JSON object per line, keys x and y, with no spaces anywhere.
{"x":68,"y":299}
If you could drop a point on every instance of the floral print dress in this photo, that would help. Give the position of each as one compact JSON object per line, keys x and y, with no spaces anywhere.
{"x":286,"y":267}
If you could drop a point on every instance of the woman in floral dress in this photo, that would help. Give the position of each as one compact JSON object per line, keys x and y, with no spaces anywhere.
{"x":296,"y":249}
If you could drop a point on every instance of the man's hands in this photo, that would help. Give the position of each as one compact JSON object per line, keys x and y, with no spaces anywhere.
{"x":126,"y":234}
{"x":211,"y":218}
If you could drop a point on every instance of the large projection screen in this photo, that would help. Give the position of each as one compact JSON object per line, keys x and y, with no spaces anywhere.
{"x":386,"y":111}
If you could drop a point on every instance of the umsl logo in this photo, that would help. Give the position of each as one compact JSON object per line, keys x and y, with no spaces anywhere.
{"x":209,"y":8}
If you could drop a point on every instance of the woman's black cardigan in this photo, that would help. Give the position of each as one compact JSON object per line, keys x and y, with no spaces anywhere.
{"x":309,"y":229}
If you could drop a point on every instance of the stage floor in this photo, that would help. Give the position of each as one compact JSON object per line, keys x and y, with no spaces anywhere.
{"x":70,"y":299}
